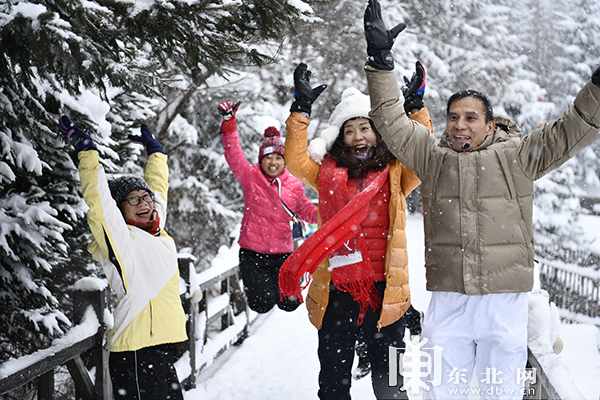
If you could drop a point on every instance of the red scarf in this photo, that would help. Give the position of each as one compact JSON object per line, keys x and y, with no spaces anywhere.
{"x":340,"y":235}
{"x":152,"y":226}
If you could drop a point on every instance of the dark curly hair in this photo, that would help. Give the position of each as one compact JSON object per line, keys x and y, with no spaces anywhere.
{"x":345,"y":158}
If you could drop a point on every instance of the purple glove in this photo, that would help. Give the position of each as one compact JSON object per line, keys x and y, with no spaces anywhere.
{"x":147,"y":140}
{"x":78,"y":138}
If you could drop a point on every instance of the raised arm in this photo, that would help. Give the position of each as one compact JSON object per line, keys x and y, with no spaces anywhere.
{"x":106,"y":222}
{"x":550,"y":146}
{"x":297,"y":160}
{"x":410,"y":141}
{"x":156,"y":171}
{"x":234,"y":155}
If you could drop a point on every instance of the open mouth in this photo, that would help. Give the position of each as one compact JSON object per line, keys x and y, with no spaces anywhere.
{"x":361,"y":150}
{"x":143,"y":213}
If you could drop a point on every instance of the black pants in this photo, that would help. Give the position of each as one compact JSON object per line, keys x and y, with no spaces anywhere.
{"x":145,"y":374}
{"x":337,"y":338}
{"x":260,"y":273}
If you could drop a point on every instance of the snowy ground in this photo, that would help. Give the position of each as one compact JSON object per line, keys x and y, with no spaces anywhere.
{"x":279,"y":359}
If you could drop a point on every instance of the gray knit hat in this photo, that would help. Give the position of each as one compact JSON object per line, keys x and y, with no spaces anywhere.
{"x":120,"y":187}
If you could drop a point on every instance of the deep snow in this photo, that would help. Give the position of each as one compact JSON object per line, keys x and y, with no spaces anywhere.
{"x":279,"y":359}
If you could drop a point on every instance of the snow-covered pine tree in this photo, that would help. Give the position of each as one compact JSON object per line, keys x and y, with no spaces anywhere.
{"x":106,"y":65}
{"x":556,"y":211}
{"x":560,"y":41}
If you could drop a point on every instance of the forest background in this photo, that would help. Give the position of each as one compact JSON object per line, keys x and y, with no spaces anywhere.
{"x":113,"y":65}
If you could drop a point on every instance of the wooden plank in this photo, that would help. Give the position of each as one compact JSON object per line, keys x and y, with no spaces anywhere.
{"x":103,"y":384}
{"x":83,"y":383}
{"x":545,"y":389}
{"x":218,"y":278}
{"x":46,"y":386}
{"x":45,"y":365}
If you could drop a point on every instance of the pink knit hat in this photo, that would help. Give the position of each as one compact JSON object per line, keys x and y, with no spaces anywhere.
{"x":272,"y":144}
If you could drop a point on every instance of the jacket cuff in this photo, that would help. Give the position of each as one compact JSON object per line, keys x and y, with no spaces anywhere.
{"x":587,"y":103}
{"x":228,"y":125}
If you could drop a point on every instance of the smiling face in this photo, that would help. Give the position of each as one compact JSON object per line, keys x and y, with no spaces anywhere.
{"x":466,"y":124}
{"x":359,"y":136}
{"x":140,"y":213}
{"x":272,"y":165}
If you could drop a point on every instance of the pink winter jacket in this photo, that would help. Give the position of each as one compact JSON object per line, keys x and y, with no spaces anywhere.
{"x":266,"y":225}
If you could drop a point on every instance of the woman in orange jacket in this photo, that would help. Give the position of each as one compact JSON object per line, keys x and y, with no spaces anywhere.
{"x":358,"y":257}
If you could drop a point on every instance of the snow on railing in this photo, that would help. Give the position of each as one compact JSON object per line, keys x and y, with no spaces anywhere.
{"x":88,"y":333}
{"x":552,"y":378}
{"x":574,"y":289}
{"x":217,"y":319}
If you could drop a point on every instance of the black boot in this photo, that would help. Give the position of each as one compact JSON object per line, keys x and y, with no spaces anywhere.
{"x":362,"y":369}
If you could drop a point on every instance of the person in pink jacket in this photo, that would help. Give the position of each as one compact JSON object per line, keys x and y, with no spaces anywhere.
{"x":266,"y":234}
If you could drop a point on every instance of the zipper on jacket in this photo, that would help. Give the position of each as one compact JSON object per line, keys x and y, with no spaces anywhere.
{"x":151,"y":320}
{"x":113,"y":259}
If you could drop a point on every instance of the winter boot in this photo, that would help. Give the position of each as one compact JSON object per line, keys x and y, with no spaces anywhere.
{"x":362,"y":369}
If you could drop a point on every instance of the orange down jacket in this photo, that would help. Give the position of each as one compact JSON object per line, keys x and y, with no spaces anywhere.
{"x":396,"y":298}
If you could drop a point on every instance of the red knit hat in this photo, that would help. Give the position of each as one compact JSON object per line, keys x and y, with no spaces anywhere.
{"x":272,"y":144}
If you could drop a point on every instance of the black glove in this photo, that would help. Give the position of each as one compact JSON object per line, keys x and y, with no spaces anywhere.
{"x":78,"y":138}
{"x":379,"y":39}
{"x":305,"y":95}
{"x":147,"y":140}
{"x":415,"y":89}
{"x":596,"y":76}
{"x":413,"y":320}
{"x":228,"y":111}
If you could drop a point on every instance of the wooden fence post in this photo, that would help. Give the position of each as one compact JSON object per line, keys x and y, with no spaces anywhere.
{"x":191,"y":311}
{"x":102,"y":387}
{"x":45,"y":386}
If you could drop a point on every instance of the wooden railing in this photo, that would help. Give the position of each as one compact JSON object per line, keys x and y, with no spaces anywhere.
{"x":571,"y":288}
{"x":222,"y":312}
{"x":220,"y":320}
{"x":88,"y":308}
{"x":542,"y":388}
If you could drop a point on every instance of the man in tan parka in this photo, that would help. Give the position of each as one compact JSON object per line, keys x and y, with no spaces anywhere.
{"x":477,"y":187}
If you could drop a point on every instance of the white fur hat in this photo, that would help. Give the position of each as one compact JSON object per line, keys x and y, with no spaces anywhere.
{"x":354,"y":104}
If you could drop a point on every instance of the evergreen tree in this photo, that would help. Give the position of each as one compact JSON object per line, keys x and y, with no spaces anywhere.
{"x":112,"y":65}
{"x":556,"y":210}
{"x":106,"y":65}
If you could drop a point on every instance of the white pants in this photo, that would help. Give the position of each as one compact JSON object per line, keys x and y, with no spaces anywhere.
{"x":487,"y":332}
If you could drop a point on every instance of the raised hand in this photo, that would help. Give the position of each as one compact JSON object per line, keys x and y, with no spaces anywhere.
{"x":79,"y":139}
{"x":379,"y":39}
{"x":415,"y":89}
{"x":304,"y":94}
{"x":228,"y":111}
{"x":147,"y":140}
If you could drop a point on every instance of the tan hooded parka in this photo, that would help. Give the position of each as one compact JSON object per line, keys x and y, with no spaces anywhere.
{"x":478,"y":204}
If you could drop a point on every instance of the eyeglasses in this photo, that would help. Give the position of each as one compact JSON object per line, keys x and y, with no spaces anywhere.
{"x":135,"y":200}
